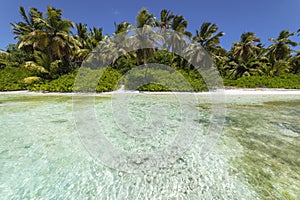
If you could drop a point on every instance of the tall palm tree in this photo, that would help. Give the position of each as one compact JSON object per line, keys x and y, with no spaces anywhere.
{"x":176,"y":40}
{"x":166,"y":18}
{"x":58,"y":43}
{"x":244,"y":56}
{"x":29,"y":26}
{"x":88,"y":39}
{"x":208,"y":37}
{"x":280,"y":52}
{"x":82,"y":34}
{"x":245,"y":48}
{"x":96,"y":36}
{"x":144,"y":37}
{"x":122,"y":27}
{"x":144,"y":18}
{"x":281,"y":49}
{"x":49,"y":34}
{"x":179,"y":24}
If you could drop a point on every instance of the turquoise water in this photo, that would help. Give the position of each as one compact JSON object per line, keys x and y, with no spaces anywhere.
{"x":256,"y":156}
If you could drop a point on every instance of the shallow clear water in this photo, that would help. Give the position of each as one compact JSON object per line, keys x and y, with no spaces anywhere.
{"x":256,"y":157}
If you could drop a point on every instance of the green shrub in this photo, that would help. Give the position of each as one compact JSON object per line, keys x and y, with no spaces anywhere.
{"x":153,"y":87}
{"x":109,"y":80}
{"x":11,"y":78}
{"x":163,"y":80}
{"x":288,"y":81}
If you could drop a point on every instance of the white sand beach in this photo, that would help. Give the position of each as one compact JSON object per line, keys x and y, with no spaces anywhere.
{"x":235,"y":91}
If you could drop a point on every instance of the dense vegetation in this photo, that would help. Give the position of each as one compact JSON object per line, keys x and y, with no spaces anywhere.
{"x":47,"y":56}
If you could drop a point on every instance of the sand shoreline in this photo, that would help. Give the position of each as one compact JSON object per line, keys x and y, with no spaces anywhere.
{"x":235,"y":91}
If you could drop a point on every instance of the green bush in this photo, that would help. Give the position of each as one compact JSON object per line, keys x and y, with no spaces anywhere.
{"x":153,"y":87}
{"x":146,"y":79}
{"x":11,"y":78}
{"x":163,"y":80}
{"x":108,"y":81}
{"x":63,"y":84}
{"x":288,"y":81}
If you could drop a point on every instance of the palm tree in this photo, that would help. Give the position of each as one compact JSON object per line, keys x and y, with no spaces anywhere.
{"x":30,"y":25}
{"x":281,"y":49}
{"x":175,"y":40}
{"x":253,"y":66}
{"x":44,"y":65}
{"x":49,"y":34}
{"x":122,"y":27}
{"x":245,"y":57}
{"x":82,"y":35}
{"x":88,"y":40}
{"x":295,"y":63}
{"x":208,"y":38}
{"x":166,"y":18}
{"x":144,"y":37}
{"x":179,"y":24}
{"x":58,"y":43}
{"x":144,"y":18}
{"x":280,"y":52}
{"x":245,"y":48}
{"x":95,"y":36}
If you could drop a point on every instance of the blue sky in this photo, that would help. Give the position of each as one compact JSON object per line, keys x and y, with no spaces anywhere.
{"x":264,"y":17}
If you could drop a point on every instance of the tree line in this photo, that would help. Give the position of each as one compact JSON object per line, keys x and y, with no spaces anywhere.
{"x":49,"y":47}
